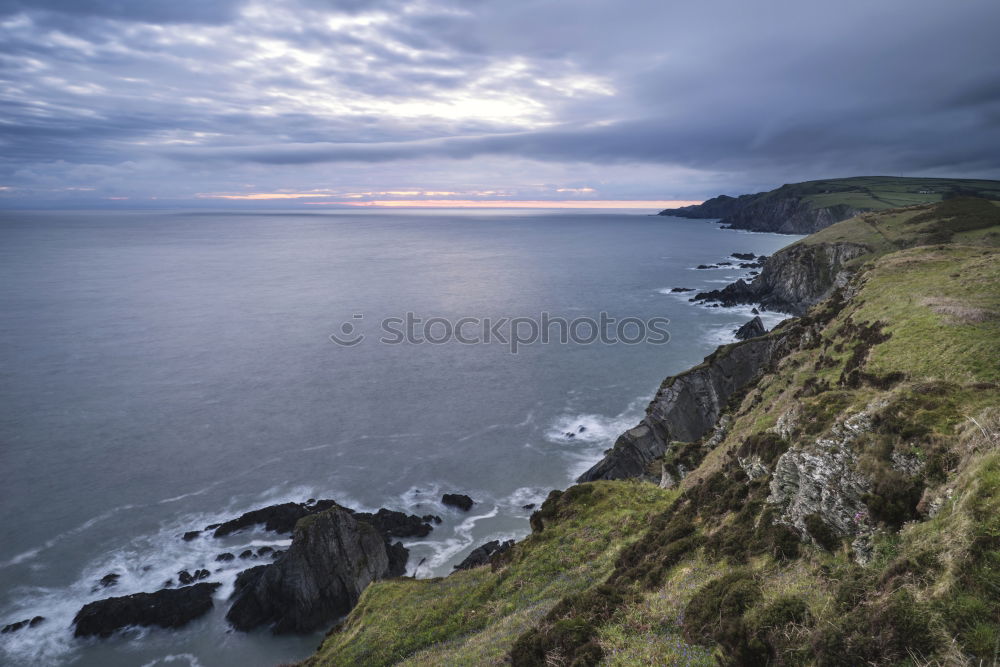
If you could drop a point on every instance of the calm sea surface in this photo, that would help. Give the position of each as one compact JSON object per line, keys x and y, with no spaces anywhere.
{"x":160,"y":371}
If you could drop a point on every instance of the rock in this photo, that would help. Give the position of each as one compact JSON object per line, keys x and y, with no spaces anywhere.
{"x":793,"y":280}
{"x":246,"y":577}
{"x":482,"y":555}
{"x":744,"y":255}
{"x":185,"y":577}
{"x":428,"y":518}
{"x":751,"y":329}
{"x":570,"y":434}
{"x":687,"y":405}
{"x":201,"y":574}
{"x":222,"y":558}
{"x":168,"y":608}
{"x":581,"y":429}
{"x":26,"y":623}
{"x":458,"y":500}
{"x":263,"y":551}
{"x":397,"y":524}
{"x":333,"y":557}
{"x":108,"y":580}
{"x":190,"y":535}
{"x":529,"y":506}
{"x":678,"y":290}
{"x":277,"y":553}
{"x":822,"y":477}
{"x":246,"y":554}
{"x":755,"y":311}
{"x":725,"y":263}
{"x":278,"y":518}
{"x":706,"y":266}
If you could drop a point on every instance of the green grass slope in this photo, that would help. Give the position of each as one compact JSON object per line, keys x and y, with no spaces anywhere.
{"x":623,"y":573}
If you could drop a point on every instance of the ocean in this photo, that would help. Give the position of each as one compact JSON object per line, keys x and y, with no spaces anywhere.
{"x":166,"y":370}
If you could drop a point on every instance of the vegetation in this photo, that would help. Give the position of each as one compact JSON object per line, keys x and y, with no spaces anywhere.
{"x":899,"y":373}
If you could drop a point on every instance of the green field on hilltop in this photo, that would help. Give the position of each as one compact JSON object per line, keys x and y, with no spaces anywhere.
{"x":878,"y":193}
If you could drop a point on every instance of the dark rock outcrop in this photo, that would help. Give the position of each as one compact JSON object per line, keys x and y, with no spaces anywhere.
{"x":397,"y":524}
{"x":26,"y":623}
{"x":277,"y":518}
{"x":190,"y":535}
{"x":333,"y":557}
{"x":751,"y":329}
{"x":282,"y":519}
{"x":458,"y":500}
{"x":688,"y":405}
{"x":793,"y":279}
{"x":168,"y":608}
{"x":483,"y":554}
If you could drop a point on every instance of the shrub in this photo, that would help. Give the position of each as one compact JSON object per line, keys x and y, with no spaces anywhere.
{"x":821,"y":532}
{"x":718,"y":605}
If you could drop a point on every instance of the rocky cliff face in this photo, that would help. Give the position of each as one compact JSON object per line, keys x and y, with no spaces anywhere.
{"x":766,"y":212}
{"x":333,"y":557}
{"x":793,"y":279}
{"x":688,"y":405}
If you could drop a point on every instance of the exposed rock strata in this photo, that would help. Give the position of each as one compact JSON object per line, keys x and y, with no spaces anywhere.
{"x":793,"y":279}
{"x":688,"y":405}
{"x":751,"y":329}
{"x":332,"y":558}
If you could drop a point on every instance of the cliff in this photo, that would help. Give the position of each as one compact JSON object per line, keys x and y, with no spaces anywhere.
{"x":827,"y":494}
{"x":805,"y":208}
{"x":687,"y":406}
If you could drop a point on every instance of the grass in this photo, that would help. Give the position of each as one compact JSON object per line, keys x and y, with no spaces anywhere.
{"x":473,"y":617}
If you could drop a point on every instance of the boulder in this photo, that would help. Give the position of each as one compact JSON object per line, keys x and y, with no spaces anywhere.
{"x":458,"y":500}
{"x":190,"y":535}
{"x":222,"y":558}
{"x":751,"y":329}
{"x":332,"y":558}
{"x":167,"y":608}
{"x":678,"y":290}
{"x":482,"y":555}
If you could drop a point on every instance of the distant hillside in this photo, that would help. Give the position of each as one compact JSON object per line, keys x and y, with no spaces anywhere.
{"x":804,"y":208}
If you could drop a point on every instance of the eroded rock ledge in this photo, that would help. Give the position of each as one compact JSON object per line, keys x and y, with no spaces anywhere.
{"x":688,"y":405}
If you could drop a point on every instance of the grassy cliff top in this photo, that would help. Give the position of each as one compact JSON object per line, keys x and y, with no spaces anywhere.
{"x":883,"y":192}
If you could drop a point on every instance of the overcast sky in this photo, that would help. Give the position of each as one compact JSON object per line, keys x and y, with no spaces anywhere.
{"x":185,"y":102}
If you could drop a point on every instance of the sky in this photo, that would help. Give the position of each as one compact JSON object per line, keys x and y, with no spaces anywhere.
{"x":639,"y":103}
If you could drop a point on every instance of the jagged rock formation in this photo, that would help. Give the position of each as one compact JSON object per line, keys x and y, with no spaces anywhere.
{"x":793,"y":279}
{"x":333,"y":557}
{"x":283,"y":517}
{"x":484,"y":554}
{"x":751,"y":329}
{"x":167,"y":608}
{"x":687,"y":406}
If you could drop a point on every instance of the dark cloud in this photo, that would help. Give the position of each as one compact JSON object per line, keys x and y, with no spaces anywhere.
{"x":726,"y":95}
{"x":171,"y":11}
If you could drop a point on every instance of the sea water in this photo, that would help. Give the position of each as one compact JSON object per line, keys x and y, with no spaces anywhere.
{"x":161,"y":371}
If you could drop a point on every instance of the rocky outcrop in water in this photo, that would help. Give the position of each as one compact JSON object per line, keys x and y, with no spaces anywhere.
{"x":688,"y":405}
{"x":283,"y":517}
{"x":167,"y":608}
{"x":793,"y":279}
{"x":751,"y":329}
{"x":332,"y":558}
{"x":458,"y":500}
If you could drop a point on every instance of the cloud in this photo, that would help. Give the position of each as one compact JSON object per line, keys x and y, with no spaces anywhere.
{"x":173,"y":99}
